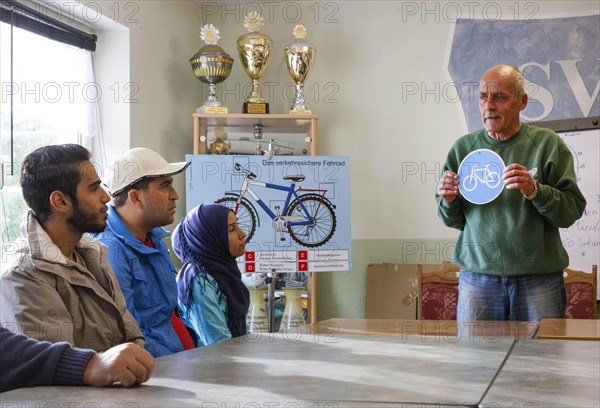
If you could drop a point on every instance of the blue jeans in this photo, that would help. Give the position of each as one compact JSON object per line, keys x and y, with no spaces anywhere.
{"x":518,"y":298}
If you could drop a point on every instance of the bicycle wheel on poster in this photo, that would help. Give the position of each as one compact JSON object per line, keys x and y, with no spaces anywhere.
{"x":245,"y":215}
{"x":324,"y":222}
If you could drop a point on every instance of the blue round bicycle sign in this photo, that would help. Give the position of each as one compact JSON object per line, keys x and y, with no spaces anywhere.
{"x":480,"y":176}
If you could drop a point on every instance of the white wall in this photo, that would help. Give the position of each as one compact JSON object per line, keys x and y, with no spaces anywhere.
{"x":368,"y":53}
{"x":143,"y":67}
{"x":112,"y":73}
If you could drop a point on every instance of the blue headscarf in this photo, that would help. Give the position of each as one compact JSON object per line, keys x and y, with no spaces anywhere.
{"x":201,"y":241}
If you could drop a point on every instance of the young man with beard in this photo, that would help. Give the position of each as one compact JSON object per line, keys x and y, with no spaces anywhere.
{"x":140,"y":182}
{"x":57,"y":284}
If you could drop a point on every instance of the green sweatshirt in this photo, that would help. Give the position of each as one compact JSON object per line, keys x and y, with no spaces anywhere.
{"x":513,"y":236}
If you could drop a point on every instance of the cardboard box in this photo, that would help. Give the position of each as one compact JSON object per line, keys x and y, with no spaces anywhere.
{"x":391,"y":291}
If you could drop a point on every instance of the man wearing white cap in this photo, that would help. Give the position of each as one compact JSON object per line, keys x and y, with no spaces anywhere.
{"x":140,"y":182}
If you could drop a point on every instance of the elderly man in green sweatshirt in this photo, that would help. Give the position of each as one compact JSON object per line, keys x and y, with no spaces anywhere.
{"x":509,"y":249}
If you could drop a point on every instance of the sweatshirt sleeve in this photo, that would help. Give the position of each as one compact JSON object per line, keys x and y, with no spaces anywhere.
{"x":27,"y":362}
{"x":559,"y":200}
{"x":451,"y":214}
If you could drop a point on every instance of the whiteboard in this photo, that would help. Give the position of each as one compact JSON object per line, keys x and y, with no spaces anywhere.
{"x":582,"y":239}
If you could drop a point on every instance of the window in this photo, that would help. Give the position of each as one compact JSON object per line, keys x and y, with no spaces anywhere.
{"x":48,"y":97}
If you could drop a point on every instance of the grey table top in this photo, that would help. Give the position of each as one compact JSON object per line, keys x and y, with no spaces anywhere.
{"x":303,"y":370}
{"x":548,"y":373}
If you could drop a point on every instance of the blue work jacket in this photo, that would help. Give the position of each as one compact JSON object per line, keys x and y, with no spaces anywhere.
{"x":147,"y":279}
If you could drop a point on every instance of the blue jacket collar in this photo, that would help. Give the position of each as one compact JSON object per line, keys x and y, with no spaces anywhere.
{"x":120,"y":229}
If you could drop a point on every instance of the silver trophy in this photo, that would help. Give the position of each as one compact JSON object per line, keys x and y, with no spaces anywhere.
{"x":299,"y":58}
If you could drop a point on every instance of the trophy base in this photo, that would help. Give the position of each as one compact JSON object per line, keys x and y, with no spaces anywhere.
{"x":220,"y":148}
{"x":300,"y":112}
{"x":212,"y":109}
{"x":253,"y":107}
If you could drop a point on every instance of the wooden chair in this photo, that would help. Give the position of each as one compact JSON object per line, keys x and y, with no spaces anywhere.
{"x":581,"y":293}
{"x":438,"y":292}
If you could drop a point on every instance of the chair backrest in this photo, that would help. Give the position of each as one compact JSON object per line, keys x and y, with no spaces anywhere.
{"x":438,"y":292}
{"x":581,"y":293}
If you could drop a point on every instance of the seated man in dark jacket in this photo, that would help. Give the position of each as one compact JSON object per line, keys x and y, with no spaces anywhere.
{"x":27,"y":362}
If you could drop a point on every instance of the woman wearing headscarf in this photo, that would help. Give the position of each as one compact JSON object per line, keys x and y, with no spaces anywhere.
{"x":212,"y":297}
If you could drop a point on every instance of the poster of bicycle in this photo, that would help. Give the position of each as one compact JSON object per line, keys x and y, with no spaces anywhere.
{"x":295,"y":210}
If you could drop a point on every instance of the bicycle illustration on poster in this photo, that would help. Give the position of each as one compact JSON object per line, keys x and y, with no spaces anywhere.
{"x":294,"y":209}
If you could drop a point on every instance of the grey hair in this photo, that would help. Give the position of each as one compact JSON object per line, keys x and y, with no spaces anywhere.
{"x":519,"y":80}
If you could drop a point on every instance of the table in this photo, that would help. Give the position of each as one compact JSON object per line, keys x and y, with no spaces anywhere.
{"x":302,"y":369}
{"x":320,"y":368}
{"x":574,"y":329}
{"x":548,"y":373}
{"x":442,"y":328}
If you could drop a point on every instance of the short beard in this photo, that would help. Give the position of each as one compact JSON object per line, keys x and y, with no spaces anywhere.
{"x":85,"y":222}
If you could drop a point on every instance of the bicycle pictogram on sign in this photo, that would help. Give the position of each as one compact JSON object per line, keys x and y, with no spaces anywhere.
{"x":480,"y":176}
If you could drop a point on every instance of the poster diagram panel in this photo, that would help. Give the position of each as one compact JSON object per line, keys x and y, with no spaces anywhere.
{"x":582,"y":239}
{"x":295,"y":210}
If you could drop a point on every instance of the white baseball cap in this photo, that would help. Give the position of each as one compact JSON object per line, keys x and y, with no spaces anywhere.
{"x":136,"y":164}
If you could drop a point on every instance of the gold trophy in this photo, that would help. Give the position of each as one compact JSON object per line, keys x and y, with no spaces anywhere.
{"x":299,"y":58}
{"x":219,"y":146}
{"x":255,"y":50}
{"x":211,"y":65}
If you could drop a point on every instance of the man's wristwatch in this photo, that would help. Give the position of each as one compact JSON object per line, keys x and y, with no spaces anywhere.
{"x":535,"y":191}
